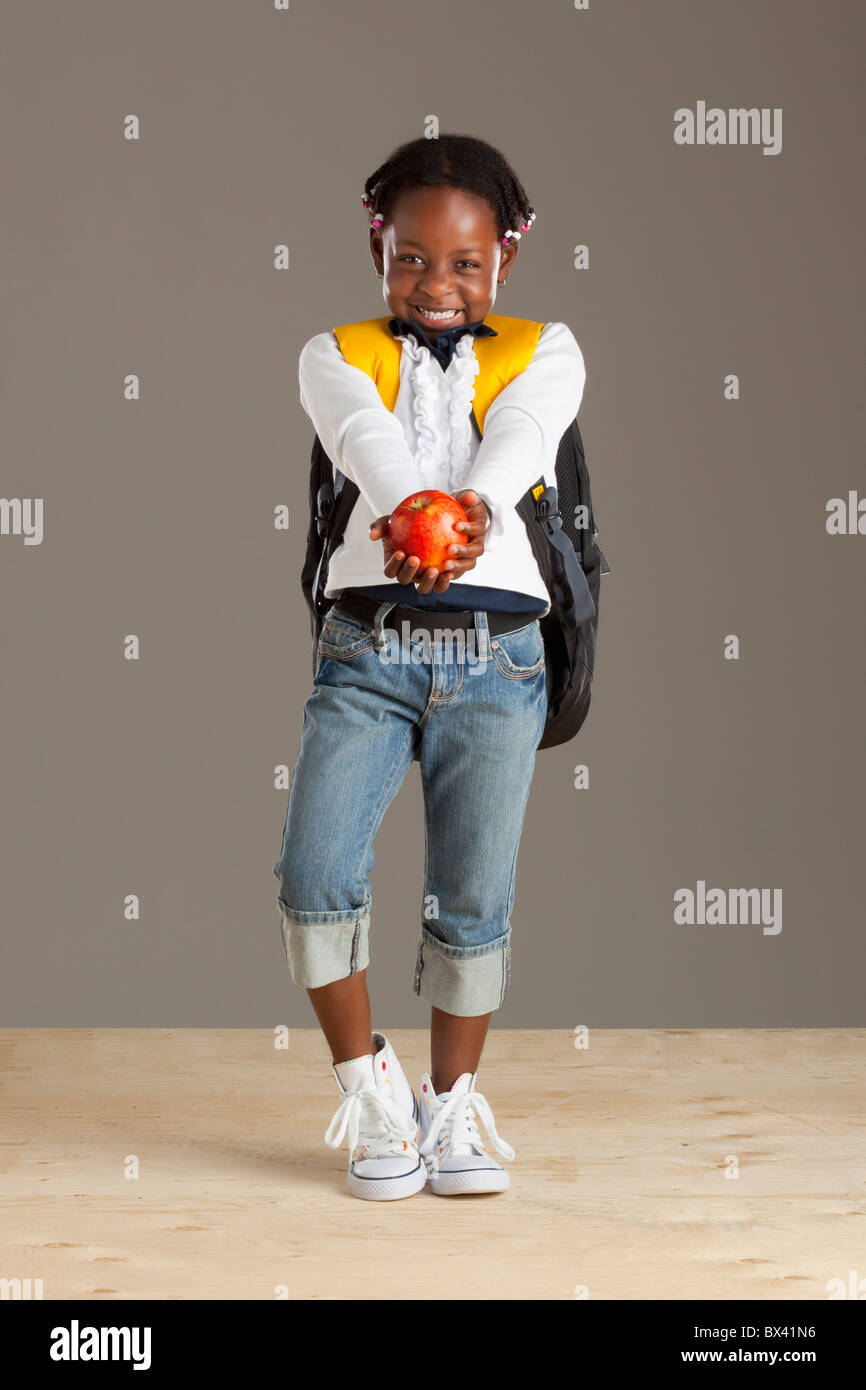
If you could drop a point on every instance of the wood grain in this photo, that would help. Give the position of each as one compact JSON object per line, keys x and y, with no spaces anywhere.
{"x":619,"y":1182}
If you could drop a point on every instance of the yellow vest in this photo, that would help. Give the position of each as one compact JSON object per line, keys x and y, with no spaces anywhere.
{"x":371,"y":346}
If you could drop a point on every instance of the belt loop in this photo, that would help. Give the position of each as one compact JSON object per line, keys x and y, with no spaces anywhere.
{"x":381,"y":614}
{"x":482,"y":635}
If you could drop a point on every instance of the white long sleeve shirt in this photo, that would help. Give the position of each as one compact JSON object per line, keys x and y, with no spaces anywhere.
{"x":428,"y":441}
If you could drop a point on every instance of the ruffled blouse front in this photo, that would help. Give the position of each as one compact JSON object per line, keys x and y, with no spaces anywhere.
{"x":454,"y":353}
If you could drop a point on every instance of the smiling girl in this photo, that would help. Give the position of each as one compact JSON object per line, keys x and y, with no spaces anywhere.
{"x":446,"y":217}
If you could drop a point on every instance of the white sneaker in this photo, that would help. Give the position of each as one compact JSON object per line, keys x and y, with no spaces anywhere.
{"x":380,"y":1112}
{"x":452,"y":1147}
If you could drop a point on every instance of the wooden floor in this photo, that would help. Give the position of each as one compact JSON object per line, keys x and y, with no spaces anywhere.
{"x":619,"y":1186}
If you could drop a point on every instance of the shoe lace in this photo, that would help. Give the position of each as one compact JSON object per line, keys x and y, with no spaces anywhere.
{"x":455,"y":1122}
{"x":386,"y":1130}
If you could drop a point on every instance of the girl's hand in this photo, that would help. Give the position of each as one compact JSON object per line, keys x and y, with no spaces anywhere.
{"x":405,"y":568}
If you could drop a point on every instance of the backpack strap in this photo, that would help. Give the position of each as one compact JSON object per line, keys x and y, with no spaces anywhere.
{"x":371,"y":346}
{"x":539,"y":509}
{"x":331,"y":507}
{"x":502,"y":358}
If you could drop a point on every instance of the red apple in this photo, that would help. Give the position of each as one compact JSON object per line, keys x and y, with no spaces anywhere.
{"x":424,"y":525}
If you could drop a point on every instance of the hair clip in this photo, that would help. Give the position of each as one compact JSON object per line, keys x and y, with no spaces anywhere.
{"x":524,"y":227}
{"x":377,"y":220}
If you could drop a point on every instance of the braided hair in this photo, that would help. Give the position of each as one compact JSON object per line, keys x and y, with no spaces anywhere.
{"x":451,"y":161}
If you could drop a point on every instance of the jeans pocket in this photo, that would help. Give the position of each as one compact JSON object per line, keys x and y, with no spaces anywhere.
{"x":519,"y":654}
{"x":344,"y":637}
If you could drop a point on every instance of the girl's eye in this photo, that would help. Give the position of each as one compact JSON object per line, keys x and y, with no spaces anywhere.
{"x":408,"y":257}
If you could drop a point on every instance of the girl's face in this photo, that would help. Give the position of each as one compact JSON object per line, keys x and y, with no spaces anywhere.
{"x":440,"y":254}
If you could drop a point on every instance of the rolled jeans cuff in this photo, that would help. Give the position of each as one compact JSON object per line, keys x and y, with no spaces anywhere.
{"x":463,"y":980}
{"x":322,"y":947}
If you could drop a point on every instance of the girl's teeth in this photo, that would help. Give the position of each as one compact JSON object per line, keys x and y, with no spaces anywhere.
{"x":428,"y":314}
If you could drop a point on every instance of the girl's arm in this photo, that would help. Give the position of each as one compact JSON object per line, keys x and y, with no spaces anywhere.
{"x":358,"y":433}
{"x":526,"y":421}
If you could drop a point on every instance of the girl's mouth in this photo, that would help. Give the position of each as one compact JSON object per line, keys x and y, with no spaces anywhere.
{"x":441,"y":317}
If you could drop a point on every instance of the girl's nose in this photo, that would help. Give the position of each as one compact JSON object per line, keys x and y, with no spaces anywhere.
{"x":434,"y":281}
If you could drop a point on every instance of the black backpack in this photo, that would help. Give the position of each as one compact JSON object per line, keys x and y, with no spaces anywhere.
{"x":568,"y":557}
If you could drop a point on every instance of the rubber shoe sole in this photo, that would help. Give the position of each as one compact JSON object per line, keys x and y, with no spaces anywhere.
{"x":470,"y":1180}
{"x":388,"y":1189}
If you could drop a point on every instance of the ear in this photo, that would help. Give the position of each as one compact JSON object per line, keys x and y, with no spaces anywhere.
{"x":509,"y":255}
{"x":376,"y":249}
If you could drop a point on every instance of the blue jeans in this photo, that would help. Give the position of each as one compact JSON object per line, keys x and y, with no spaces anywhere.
{"x":475,"y":714}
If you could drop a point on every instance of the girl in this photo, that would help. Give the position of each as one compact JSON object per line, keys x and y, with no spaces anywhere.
{"x":446,"y":217}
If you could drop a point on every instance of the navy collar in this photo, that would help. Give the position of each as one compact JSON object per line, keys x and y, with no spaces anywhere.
{"x":446,"y":341}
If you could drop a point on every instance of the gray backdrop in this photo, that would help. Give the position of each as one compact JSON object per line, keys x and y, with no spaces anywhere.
{"x":155,"y":257}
